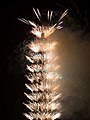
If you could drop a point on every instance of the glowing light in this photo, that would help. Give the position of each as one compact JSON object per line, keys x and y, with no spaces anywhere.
{"x":42,"y":69}
{"x":44,"y":31}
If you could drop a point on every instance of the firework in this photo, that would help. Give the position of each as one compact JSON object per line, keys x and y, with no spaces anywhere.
{"x":42,"y":71}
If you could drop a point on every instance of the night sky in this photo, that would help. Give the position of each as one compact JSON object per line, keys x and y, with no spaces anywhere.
{"x":74,"y":50}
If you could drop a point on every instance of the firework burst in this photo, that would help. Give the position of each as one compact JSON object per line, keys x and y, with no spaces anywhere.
{"x":42,"y":71}
{"x":44,"y":31}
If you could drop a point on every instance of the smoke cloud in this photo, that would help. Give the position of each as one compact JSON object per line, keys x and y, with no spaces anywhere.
{"x":74,"y":59}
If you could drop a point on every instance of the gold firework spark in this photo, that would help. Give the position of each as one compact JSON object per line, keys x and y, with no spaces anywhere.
{"x":44,"y":31}
{"x":42,"y":68}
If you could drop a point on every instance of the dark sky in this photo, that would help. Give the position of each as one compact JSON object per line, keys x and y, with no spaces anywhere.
{"x":78,"y":9}
{"x":13,"y":34}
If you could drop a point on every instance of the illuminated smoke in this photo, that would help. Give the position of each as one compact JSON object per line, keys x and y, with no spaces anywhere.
{"x":42,"y":70}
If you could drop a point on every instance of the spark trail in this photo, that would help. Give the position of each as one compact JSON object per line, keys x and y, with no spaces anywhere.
{"x":42,"y":71}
